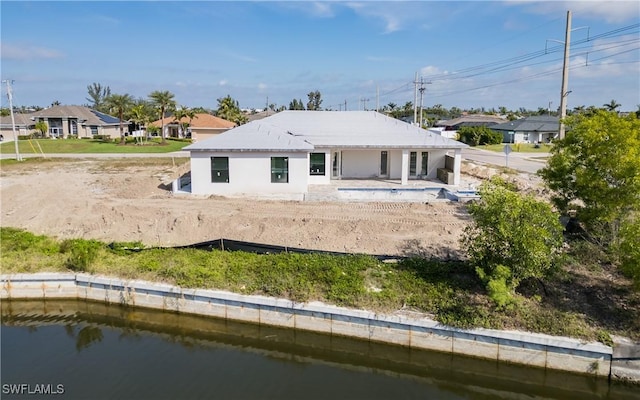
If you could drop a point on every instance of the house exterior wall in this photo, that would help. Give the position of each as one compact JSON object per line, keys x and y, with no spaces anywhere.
{"x":436,"y":160}
{"x":7,"y":133}
{"x":366,"y":163}
{"x":517,"y":137}
{"x":200,"y":134}
{"x":249,"y":174}
{"x":84,"y":131}
{"x":360,"y":163}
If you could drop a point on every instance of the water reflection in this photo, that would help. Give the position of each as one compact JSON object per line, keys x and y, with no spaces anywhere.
{"x":99,"y":351}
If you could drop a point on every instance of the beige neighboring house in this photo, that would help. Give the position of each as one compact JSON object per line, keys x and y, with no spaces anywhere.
{"x":202,"y":126}
{"x":78,"y":121}
{"x":24,"y":126}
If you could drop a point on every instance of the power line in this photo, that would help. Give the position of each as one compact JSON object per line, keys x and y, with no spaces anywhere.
{"x":527,"y":57}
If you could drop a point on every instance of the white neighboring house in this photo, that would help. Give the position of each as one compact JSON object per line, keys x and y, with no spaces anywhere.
{"x":279,"y":156}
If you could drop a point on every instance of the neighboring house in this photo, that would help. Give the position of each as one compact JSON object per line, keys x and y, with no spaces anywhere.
{"x":78,"y":121}
{"x":533,"y":129}
{"x":259,"y":115}
{"x":23,"y":123}
{"x":201,"y":127}
{"x":284,"y":153}
{"x":469,"y":120}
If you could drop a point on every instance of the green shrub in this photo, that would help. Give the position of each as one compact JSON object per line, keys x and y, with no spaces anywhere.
{"x":497,"y":286}
{"x":13,"y":239}
{"x":514,"y":231}
{"x":479,"y":135}
{"x":82,"y":253}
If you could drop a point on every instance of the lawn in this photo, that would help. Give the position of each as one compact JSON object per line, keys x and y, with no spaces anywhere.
{"x":51,"y":146}
{"x":518,"y":148}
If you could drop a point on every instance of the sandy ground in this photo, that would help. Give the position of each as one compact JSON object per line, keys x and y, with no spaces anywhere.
{"x":126,"y":200}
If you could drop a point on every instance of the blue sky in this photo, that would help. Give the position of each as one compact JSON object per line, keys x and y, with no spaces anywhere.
{"x":470,"y":54}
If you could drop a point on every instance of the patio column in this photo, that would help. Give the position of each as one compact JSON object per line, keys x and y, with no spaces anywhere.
{"x":65,"y":127}
{"x":457,"y":163}
{"x":405,"y":167}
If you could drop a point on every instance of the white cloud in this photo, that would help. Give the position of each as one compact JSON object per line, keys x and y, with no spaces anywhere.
{"x":393,"y":17}
{"x":262,"y":86}
{"x":223,"y":82}
{"x":612,"y":11}
{"x":322,"y":9}
{"x":317,"y":9}
{"x":23,"y":53}
{"x":431,"y":70}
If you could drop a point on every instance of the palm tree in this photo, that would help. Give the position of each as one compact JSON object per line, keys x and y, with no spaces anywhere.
{"x":578,"y":110}
{"x":164,"y":101}
{"x":229,"y":109}
{"x":611,"y":106}
{"x":42,"y":127}
{"x":139,"y":115}
{"x":120,"y":104}
{"x":180,"y":114}
{"x":97,"y":96}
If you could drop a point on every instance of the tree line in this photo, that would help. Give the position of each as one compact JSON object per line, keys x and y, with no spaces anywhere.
{"x":158,"y":105}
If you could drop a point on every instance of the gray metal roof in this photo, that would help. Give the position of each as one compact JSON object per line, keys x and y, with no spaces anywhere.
{"x":306,"y":130}
{"x":535,"y":123}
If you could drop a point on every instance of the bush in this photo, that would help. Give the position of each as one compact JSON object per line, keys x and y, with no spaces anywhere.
{"x":13,"y":239}
{"x":479,"y":135}
{"x":82,"y":253}
{"x":628,"y":249}
{"x":512,"y":237}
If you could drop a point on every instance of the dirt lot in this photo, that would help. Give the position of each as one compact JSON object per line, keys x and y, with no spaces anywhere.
{"x":126,"y":200}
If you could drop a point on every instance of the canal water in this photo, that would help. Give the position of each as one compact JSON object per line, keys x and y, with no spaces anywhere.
{"x":85,"y":350}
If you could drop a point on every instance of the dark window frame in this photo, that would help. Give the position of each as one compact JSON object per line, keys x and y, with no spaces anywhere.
{"x":413,"y":163}
{"x":280,"y":173}
{"x":220,"y":173}
{"x":318,"y":167}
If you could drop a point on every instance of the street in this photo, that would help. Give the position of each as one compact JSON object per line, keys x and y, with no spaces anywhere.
{"x":525,"y":162}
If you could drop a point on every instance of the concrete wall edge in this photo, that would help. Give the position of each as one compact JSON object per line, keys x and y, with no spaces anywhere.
{"x":175,"y":294}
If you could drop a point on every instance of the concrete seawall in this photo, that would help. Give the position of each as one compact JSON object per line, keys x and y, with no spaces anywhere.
{"x":413,"y":331}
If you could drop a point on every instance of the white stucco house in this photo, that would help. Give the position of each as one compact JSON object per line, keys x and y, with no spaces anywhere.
{"x":283,"y":154}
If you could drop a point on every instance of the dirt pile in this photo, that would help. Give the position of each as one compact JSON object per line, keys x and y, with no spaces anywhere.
{"x":129,"y":201}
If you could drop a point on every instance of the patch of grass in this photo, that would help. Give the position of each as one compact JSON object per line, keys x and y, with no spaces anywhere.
{"x":82,"y":253}
{"x":450,"y":292}
{"x":57,"y":146}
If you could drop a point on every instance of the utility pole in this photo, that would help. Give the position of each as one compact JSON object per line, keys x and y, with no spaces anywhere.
{"x":565,"y":77}
{"x":415,"y":100}
{"x":422,"y":89}
{"x":377,"y":98}
{"x":13,"y":121}
{"x":345,"y":105}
